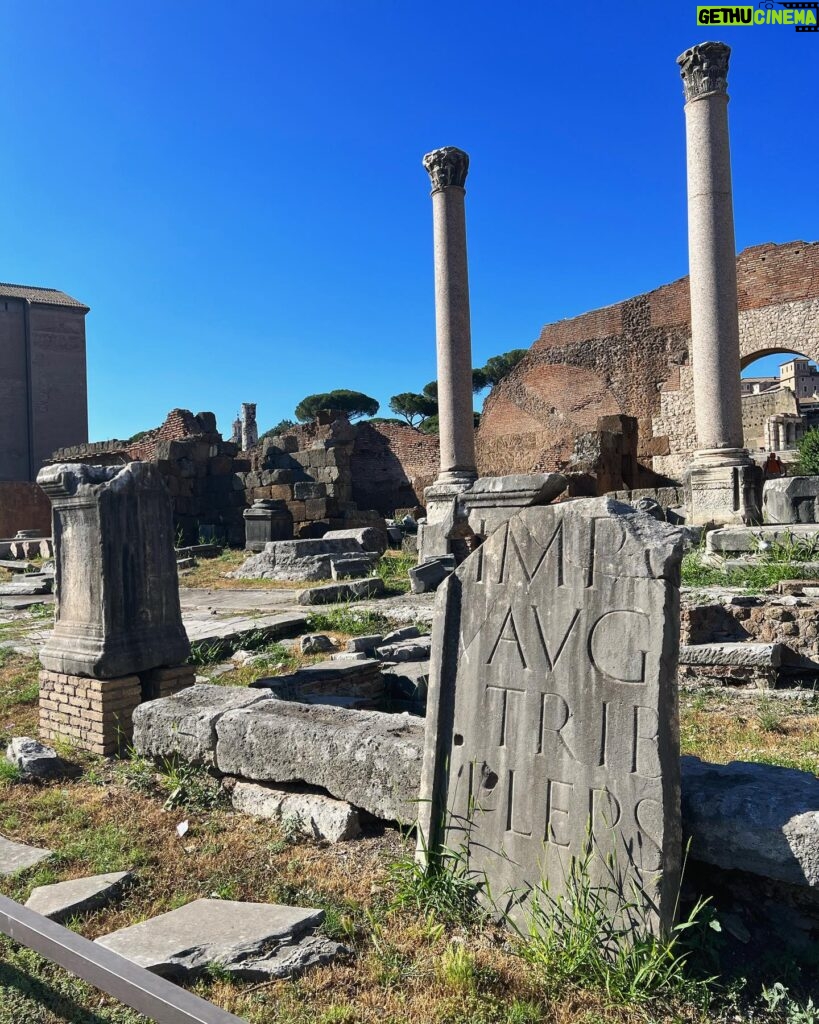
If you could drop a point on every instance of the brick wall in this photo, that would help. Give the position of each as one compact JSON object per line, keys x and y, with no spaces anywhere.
{"x":391,"y":465}
{"x":634,"y":358}
{"x":24,"y":506}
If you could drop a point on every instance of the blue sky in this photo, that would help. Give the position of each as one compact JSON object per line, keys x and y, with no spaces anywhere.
{"x":237,"y":192}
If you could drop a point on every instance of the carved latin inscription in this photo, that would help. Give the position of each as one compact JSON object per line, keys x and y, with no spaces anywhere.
{"x":562,"y":696}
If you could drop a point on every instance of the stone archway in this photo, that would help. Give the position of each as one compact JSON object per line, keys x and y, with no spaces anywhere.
{"x":787,"y":328}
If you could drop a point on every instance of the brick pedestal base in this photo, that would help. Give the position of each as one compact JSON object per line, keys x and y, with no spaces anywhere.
{"x":97,"y":714}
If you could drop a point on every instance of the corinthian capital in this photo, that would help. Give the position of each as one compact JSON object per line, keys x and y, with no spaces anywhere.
{"x":704,"y":69}
{"x":447,"y":166}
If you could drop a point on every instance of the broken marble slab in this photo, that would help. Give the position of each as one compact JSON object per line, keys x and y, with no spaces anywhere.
{"x":79,"y":895}
{"x":256,"y":941}
{"x":19,"y":856}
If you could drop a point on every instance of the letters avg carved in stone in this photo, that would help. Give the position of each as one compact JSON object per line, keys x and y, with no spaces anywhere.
{"x":553,"y":706}
{"x":117,"y":589}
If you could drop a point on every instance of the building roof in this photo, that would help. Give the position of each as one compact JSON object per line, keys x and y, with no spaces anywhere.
{"x":47,"y":296}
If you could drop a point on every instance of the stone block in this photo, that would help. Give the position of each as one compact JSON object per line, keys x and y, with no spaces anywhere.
{"x":756,"y":818}
{"x":320,"y":508}
{"x":492,"y":500}
{"x":306,"y":490}
{"x":184,"y":725}
{"x":296,"y":559}
{"x":351,"y":567}
{"x":791,"y":499}
{"x":369,"y":759}
{"x":371,"y":538}
{"x":552,"y":708}
{"x":429,"y":575}
{"x":313,"y":814}
{"x":366,"y":644}
{"x":246,"y":940}
{"x":117,"y":591}
{"x":34,"y":759}
{"x":742,"y":540}
{"x":336,"y":593}
{"x":281,"y":492}
{"x":16,"y":857}
{"x":64,"y":900}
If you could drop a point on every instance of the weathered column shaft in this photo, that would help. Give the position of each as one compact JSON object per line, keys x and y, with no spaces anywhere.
{"x":712,"y":249}
{"x":448,"y":168}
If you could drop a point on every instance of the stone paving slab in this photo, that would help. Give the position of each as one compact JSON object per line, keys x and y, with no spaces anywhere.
{"x":17,"y":856}
{"x":741,"y":654}
{"x":77,"y":896}
{"x":204,"y":628}
{"x":249,"y":940}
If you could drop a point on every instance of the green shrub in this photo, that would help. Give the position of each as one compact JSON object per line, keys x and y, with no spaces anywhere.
{"x":809,"y":453}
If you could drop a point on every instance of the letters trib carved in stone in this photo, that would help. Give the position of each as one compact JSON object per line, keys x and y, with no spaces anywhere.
{"x":553,"y":705}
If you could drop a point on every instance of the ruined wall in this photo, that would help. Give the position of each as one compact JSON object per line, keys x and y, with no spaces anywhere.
{"x":757,"y":408}
{"x":391,"y":465}
{"x":23,"y":506}
{"x":634,"y":358}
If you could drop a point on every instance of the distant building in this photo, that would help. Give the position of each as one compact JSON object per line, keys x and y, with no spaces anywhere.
{"x":43,"y":388}
{"x":757,"y":385}
{"x":799,"y":376}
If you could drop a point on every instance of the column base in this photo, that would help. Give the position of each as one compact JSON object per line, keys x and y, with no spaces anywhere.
{"x":446,"y":527}
{"x":724,"y":487}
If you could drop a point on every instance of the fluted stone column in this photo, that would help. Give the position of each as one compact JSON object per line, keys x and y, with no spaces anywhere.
{"x":447,"y":170}
{"x":722,"y":475}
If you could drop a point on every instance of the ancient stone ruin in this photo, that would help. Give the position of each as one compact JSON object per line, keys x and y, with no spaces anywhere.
{"x":552,"y":722}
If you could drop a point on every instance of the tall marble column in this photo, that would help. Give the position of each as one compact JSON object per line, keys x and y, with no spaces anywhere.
{"x":446,"y":525}
{"x":722,"y":477}
{"x":447,"y":170}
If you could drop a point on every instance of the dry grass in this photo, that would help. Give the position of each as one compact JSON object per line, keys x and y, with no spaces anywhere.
{"x":401,"y":967}
{"x":211,"y":574}
{"x":751,"y":727}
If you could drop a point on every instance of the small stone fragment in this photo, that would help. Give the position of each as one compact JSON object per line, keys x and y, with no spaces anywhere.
{"x":316,"y":643}
{"x":35,"y":759}
{"x":313,"y":814}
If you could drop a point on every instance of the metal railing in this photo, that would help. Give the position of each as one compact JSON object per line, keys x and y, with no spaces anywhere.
{"x":147,"y":993}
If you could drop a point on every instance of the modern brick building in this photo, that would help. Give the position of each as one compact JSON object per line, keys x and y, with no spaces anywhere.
{"x":43,"y":389}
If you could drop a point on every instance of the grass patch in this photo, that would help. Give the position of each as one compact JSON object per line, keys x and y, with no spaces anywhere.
{"x":750,"y":727}
{"x":753,"y":578}
{"x":211,"y":574}
{"x":348,"y":620}
{"x":393,"y":568}
{"x":19,"y":693}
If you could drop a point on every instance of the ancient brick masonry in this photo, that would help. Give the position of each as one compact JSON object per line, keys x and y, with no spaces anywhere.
{"x":634,"y":357}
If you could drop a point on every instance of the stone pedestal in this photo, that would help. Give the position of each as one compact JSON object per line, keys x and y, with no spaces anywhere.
{"x":266,"y":520}
{"x":722,"y":471}
{"x":723,"y":486}
{"x":117,"y":590}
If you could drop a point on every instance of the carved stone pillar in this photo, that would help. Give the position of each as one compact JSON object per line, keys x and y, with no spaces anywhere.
{"x":722,"y":475}
{"x":447,"y":169}
{"x":249,"y":430}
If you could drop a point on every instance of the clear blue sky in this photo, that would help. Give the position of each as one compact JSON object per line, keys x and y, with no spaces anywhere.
{"x":236,"y":188}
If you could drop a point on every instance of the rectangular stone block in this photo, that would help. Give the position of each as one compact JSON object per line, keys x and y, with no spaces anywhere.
{"x":552,"y":714}
{"x":117,"y":590}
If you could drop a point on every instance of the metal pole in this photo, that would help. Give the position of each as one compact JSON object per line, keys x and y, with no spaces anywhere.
{"x":147,"y":993}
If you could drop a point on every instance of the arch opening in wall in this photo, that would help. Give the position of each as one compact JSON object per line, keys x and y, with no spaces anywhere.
{"x":780,"y":399}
